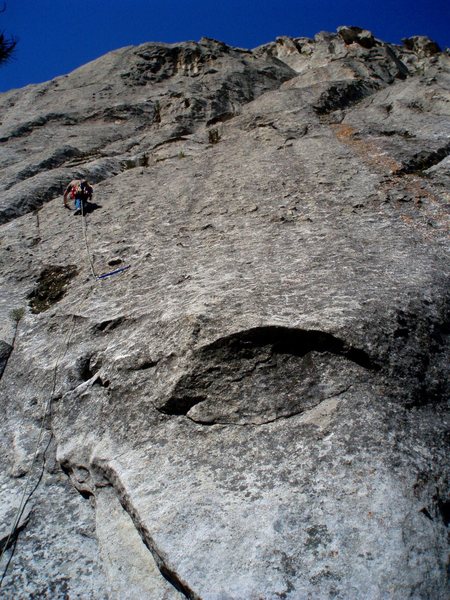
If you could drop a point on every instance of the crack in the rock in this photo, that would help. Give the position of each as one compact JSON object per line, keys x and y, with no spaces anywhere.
{"x":5,"y":353}
{"x":6,"y":350}
{"x":162,"y":561}
{"x":269,"y":421}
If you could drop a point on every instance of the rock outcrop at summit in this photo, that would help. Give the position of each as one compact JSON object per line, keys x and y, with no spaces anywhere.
{"x":257,"y":406}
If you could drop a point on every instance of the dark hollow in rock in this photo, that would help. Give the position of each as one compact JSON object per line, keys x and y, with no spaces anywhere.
{"x":426,"y":512}
{"x":114,"y":262}
{"x":342,"y":94}
{"x":177,"y":405}
{"x":85,"y":369}
{"x":108,"y":325}
{"x":5,"y":351}
{"x":51,"y":287}
{"x":444,"y":510}
{"x":88,"y":368}
{"x":146,"y":364}
{"x":424,"y":160}
{"x":262,"y":374}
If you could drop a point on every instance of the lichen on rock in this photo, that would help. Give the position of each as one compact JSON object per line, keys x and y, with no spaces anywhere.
{"x":51,"y":286}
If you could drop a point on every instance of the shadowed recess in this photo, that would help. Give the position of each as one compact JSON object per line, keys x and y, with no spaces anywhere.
{"x":259,"y":375}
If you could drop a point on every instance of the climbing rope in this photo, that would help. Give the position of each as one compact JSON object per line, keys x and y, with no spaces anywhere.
{"x":88,"y":252}
{"x":27,"y":495}
{"x":86,"y":243}
{"x":115,"y":272}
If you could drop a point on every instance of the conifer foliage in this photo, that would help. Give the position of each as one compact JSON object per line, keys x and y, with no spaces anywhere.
{"x":7,"y":44}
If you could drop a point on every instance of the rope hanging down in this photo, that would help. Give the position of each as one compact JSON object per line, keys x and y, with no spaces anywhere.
{"x":27,"y":495}
{"x":88,"y":252}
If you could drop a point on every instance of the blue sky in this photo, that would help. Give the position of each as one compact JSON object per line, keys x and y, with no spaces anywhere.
{"x":56,"y":36}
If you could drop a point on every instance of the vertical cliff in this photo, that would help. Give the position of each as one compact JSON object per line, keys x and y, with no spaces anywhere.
{"x":256,"y":406}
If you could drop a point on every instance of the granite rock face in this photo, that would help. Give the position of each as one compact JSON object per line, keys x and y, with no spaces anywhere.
{"x":257,"y":407}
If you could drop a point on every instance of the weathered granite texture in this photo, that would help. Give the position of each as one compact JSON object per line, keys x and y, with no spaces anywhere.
{"x":256,"y":408}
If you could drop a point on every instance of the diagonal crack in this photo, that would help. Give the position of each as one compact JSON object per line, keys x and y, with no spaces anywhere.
{"x":5,"y":353}
{"x":272,"y":420}
{"x":166,"y":569}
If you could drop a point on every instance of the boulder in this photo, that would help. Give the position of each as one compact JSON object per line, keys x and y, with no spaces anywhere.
{"x":422,"y":45}
{"x":352,"y":35}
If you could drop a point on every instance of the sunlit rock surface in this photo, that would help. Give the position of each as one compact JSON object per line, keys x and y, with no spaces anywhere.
{"x":256,"y":407}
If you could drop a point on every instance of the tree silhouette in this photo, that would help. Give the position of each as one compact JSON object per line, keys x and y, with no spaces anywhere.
{"x":7,"y":44}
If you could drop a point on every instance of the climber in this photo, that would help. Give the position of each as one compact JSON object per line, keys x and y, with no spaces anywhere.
{"x":81,"y":191}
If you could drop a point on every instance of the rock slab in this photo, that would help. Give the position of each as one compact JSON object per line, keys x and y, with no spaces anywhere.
{"x":256,"y":407}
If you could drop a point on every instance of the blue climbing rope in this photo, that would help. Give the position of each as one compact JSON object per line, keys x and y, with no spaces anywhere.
{"x":113,"y":272}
